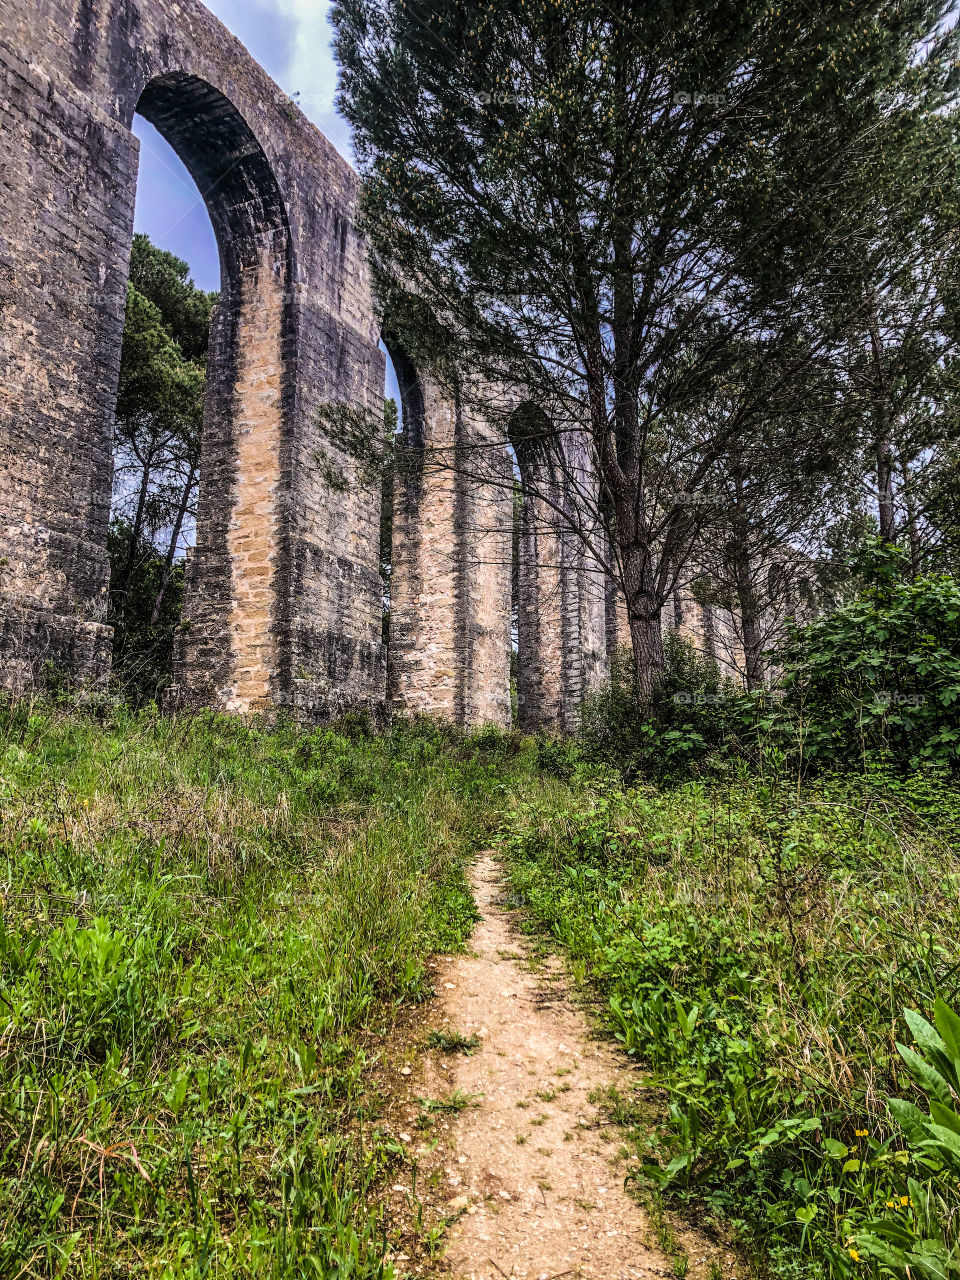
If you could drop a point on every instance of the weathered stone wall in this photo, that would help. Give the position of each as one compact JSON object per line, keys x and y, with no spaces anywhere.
{"x":560,"y":587}
{"x":283,"y":602}
{"x":451,"y":561}
{"x":283,"y":599}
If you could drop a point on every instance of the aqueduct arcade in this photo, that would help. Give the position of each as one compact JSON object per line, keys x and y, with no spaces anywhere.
{"x":283,"y":604}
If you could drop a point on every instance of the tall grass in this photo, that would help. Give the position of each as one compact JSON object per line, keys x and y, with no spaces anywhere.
{"x":201,"y":921}
{"x":756,"y":946}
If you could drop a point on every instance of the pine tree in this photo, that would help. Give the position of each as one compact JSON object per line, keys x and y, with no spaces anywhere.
{"x":628,"y":209}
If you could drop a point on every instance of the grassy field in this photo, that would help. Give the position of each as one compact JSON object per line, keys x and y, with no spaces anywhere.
{"x":203,"y":925}
{"x":207,"y":930}
{"x":755,"y":945}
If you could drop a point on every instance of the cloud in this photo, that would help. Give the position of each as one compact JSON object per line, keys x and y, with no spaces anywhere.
{"x":270,"y":36}
{"x":313,"y":72}
{"x":291,"y":39}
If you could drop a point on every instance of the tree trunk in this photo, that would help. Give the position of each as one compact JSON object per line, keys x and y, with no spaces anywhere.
{"x":135,"y":534}
{"x":749,"y":608}
{"x":172,"y":548}
{"x":752,"y":642}
{"x":643,"y":608}
{"x":883,"y":443}
{"x":912,"y":529}
{"x":709,"y":630}
{"x":885,"y":489}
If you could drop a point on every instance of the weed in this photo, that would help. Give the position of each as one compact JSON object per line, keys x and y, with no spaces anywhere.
{"x":456,"y":1101}
{"x":755,"y":945}
{"x":452,"y":1042}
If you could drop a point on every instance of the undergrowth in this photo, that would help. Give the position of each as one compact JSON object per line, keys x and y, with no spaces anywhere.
{"x":756,"y":945}
{"x":203,"y":926}
{"x":207,"y":927}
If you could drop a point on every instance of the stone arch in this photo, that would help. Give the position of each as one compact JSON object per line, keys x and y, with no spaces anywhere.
{"x":538,"y":580}
{"x":233,"y":174}
{"x":235,"y":613}
{"x":283,"y":594}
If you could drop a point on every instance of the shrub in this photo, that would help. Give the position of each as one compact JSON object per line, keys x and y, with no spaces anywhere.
{"x":880,"y":676}
{"x":753,"y":945}
{"x":913,"y":1230}
{"x":673,"y":732}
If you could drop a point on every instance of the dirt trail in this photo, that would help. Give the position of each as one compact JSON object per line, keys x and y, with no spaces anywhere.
{"x":535,"y":1170}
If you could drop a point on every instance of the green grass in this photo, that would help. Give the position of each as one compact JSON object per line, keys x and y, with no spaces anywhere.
{"x":755,"y":946}
{"x":205,"y":928}
{"x":452,"y":1042}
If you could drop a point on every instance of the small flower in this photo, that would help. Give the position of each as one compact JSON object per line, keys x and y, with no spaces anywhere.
{"x":854,"y":1255}
{"x":862,"y":1133}
{"x":891,"y":1204}
{"x":905,"y":1200}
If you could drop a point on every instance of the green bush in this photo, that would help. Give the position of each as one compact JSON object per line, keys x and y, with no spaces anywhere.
{"x":670,"y":734}
{"x":754,"y":946}
{"x":914,"y":1230}
{"x":880,"y":676}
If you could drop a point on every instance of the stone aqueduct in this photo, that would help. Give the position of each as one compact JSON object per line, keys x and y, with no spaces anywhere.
{"x":283,"y":602}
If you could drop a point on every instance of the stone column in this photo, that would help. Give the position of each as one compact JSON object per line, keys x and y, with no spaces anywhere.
{"x":451,"y":561}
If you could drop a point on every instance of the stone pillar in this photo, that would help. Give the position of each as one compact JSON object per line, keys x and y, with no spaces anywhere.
{"x":282,"y":606}
{"x":561,"y":593}
{"x":544,"y":610}
{"x":451,"y":561}
{"x":66,"y":206}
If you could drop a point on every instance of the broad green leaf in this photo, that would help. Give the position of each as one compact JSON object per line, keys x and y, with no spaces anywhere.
{"x":944,"y":1138}
{"x":948,"y":1024}
{"x":945,"y":1116}
{"x":872,"y":1246}
{"x":931,"y":1081}
{"x":924,"y":1034}
{"x":891,"y":1229}
{"x":910,"y":1119}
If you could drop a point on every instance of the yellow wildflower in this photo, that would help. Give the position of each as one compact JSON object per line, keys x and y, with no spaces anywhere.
{"x":854,"y":1255}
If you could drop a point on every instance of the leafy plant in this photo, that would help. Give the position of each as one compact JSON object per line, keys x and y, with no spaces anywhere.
{"x":917,"y":1233}
{"x":667,"y":734}
{"x":880,"y":676}
{"x":752,"y":945}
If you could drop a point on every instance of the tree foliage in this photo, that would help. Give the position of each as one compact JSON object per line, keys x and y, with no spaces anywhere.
{"x":880,"y":676}
{"x":159,"y":421}
{"x":656,"y":219}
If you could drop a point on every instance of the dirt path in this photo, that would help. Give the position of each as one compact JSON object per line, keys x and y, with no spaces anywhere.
{"x":538,"y":1182}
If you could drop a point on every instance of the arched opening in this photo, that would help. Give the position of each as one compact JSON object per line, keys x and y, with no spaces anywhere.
{"x":402,"y":492}
{"x":173,"y":284}
{"x":538,"y":572}
{"x":230,"y":646}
